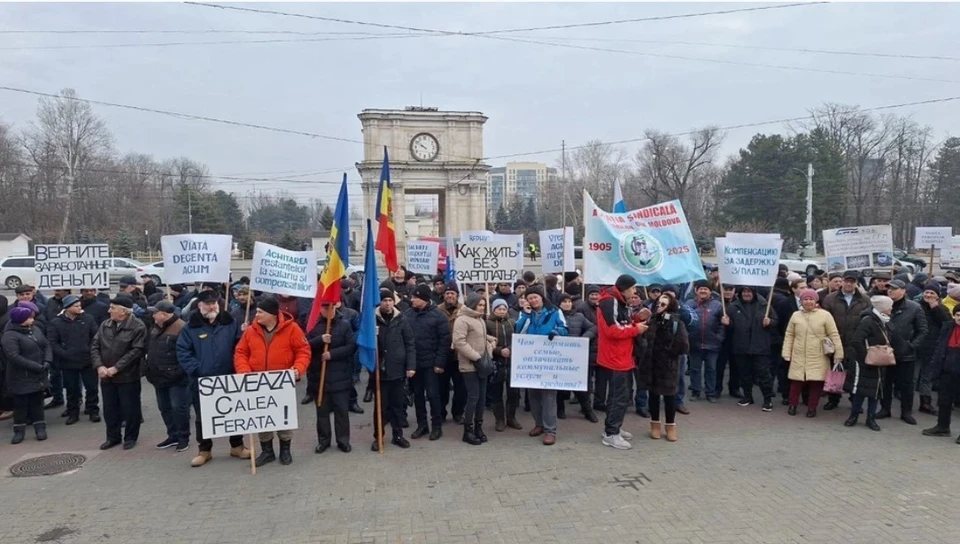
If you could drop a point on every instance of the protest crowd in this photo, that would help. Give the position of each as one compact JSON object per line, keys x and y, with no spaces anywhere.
{"x":455,"y":346}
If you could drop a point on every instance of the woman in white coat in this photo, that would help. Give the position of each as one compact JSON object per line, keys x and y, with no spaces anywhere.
{"x":804,"y":347}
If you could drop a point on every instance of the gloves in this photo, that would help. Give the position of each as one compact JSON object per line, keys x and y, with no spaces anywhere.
{"x":550,"y":336}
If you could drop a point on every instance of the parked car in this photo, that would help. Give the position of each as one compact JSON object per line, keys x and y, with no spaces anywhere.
{"x":905,"y":257}
{"x":18,"y":270}
{"x":154,"y":270}
{"x":799,"y":265}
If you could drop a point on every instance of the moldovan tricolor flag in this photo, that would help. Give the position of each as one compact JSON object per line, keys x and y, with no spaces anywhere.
{"x":386,"y":239}
{"x":328,"y":288}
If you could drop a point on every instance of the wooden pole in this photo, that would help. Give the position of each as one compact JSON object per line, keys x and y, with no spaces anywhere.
{"x":379,"y":408}
{"x":932,"y":249}
{"x":769,"y":300}
{"x":723,"y":303}
{"x":226,"y":297}
{"x":486,"y":293}
{"x":323,"y":362}
{"x":253,"y":454}
{"x":646,"y":294}
{"x":246,"y":314}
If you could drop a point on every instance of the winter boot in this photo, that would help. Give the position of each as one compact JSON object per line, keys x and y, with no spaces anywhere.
{"x":18,"y":433}
{"x":872,"y":423}
{"x":656,"y":431}
{"x":285,"y":457}
{"x":512,"y":418}
{"x":671,"y":429}
{"x":40,"y":428}
{"x":926,"y":406}
{"x":500,"y":423}
{"x":478,"y":431}
{"x":266,"y":454}
{"x":468,"y":435}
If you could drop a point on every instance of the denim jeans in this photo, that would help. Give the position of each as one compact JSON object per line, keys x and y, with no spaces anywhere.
{"x":476,"y":397}
{"x":681,"y":377}
{"x":543,"y":406}
{"x":174,"y":405}
{"x":703,"y":371}
{"x":857,"y":405}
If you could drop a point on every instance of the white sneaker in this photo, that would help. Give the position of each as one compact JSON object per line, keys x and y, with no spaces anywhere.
{"x":625,"y":435}
{"x":616,"y":441}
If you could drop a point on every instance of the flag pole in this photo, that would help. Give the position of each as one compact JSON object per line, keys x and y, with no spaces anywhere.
{"x":723,"y":303}
{"x":253,"y":455}
{"x":323,"y":362}
{"x":769,"y":299}
{"x":246,"y":314}
{"x":379,"y":408}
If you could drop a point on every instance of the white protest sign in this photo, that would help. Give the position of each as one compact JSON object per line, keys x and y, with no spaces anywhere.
{"x":487,"y":262}
{"x":189,"y":258}
{"x":556,"y":247}
{"x":937,"y":237}
{"x":536,"y":362}
{"x":516,"y":239}
{"x":950,"y":255}
{"x":422,"y":256}
{"x":476,"y":236}
{"x":284,"y":272}
{"x":745,"y":259}
{"x":248,"y":403}
{"x":72,"y":266}
{"x":858,"y":248}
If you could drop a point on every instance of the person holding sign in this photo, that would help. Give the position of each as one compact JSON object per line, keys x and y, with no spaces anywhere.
{"x":338,"y":382}
{"x":547,"y":322}
{"x":398,"y":360}
{"x":273,"y":341}
{"x":206,"y":347}
{"x":750,"y":329}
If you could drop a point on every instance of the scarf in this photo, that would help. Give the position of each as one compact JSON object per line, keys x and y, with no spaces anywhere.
{"x":954,"y":341}
{"x":884,"y":318}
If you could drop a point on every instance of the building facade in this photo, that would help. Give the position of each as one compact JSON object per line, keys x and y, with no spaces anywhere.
{"x":517,"y":180}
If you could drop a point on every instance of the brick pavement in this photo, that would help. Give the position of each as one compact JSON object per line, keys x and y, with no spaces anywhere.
{"x":736,"y":475}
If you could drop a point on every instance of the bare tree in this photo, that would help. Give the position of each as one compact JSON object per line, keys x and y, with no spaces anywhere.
{"x":75,"y":135}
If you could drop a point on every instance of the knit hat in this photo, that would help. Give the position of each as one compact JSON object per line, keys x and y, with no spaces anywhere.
{"x":451,"y":286}
{"x":70,"y":300}
{"x":529,"y":276}
{"x":700,"y":283}
{"x":122,"y":300}
{"x":932,"y":286}
{"x":19,"y":314}
{"x":953,"y":290}
{"x":269,"y":305}
{"x":809,"y":293}
{"x":422,"y":292}
{"x":473,"y":300}
{"x":781,"y":283}
{"x":518,"y":283}
{"x":438,"y":279}
{"x":592,"y":289}
{"x":669,"y":288}
{"x":881,"y":303}
{"x":30,"y":306}
{"x":386,"y":293}
{"x":625,"y":281}
{"x":535,"y":290}
{"x":565,"y":297}
{"x":498,"y":303}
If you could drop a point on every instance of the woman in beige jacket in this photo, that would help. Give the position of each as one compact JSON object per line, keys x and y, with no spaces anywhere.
{"x":803,"y":347}
{"x":470,"y":340}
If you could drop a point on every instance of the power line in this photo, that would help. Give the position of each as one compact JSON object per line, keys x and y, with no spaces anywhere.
{"x":221,"y":42}
{"x":188,"y":31}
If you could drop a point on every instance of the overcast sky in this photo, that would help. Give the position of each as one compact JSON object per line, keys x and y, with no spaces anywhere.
{"x":534,"y":95}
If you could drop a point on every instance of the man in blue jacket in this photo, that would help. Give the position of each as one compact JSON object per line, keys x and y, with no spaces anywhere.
{"x":547,"y":322}
{"x":705,"y":342}
{"x":205,"y":348}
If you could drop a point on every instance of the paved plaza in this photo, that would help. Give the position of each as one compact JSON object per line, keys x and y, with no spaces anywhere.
{"x":736,"y":475}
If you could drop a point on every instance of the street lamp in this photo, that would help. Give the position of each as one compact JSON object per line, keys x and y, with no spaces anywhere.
{"x":809,"y":234}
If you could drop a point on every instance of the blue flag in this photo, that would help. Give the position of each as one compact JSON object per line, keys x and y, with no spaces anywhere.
{"x":367,"y":336}
{"x":619,"y":205}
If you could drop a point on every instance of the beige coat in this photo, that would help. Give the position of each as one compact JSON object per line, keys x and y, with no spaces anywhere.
{"x":803,"y":345}
{"x":470,"y":338}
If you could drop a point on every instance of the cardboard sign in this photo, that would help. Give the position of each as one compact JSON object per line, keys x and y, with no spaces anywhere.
{"x":556,"y":246}
{"x":423,"y":256}
{"x":536,"y":362}
{"x":189,"y":258}
{"x":248,"y":403}
{"x":487,"y":262}
{"x":938,"y":237}
{"x":284,"y":272}
{"x":858,"y":248}
{"x":744,"y":259}
{"x":72,"y":266}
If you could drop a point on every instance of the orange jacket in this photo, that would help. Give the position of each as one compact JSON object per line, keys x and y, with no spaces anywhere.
{"x":288,"y":349}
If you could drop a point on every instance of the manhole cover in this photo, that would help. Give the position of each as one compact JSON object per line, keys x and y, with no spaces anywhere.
{"x":48,"y":465}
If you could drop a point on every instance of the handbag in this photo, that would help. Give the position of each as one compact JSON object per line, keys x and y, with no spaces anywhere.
{"x":836,"y":377}
{"x":881,"y":355}
{"x":484,"y":366}
{"x":828,"y":347}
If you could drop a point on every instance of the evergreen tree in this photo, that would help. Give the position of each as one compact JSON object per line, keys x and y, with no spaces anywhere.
{"x":501,"y":221}
{"x":122,"y":244}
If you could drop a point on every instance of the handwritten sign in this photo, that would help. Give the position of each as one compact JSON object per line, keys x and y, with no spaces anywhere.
{"x":487,"y":262}
{"x":189,"y":258}
{"x":938,"y":237}
{"x":745,"y":259}
{"x":422,"y":256}
{"x":556,"y":246}
{"x":248,"y":403}
{"x":72,"y":266}
{"x":284,"y":272}
{"x":536,"y":362}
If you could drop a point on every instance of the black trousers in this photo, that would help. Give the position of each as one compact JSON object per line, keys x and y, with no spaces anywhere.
{"x":56,"y":384}
{"x":86,"y":378}
{"x":619,"y":400}
{"x":779,"y":370}
{"x":452,"y":381}
{"x":948,"y":394}
{"x":205,"y":443}
{"x":583,"y":397}
{"x":601,"y":381}
{"x":393,"y":406}
{"x":726,"y":359}
{"x":28,"y":408}
{"x":902,"y":377}
{"x":336,"y":402}
{"x":426,"y":388}
{"x":503,"y":408}
{"x":755,"y":369}
{"x":669,"y":406}
{"x":121,"y":410}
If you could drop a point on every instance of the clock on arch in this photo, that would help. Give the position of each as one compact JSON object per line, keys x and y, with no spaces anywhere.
{"x":424,"y":147}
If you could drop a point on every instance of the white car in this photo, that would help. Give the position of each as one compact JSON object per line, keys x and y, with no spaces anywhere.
{"x":797,"y":264}
{"x":18,"y":270}
{"x":154,"y":270}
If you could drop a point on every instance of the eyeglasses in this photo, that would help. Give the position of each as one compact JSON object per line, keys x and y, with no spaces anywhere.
{"x":662,"y":305}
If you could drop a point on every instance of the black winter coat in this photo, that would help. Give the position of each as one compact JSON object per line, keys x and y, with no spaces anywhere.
{"x":70,"y":340}
{"x":909,"y":322}
{"x":863,"y":379}
{"x":431,"y":335}
{"x":785,"y":304}
{"x":578,"y":326}
{"x":936,"y":318}
{"x":659,"y":367}
{"x":121,"y":345}
{"x":161,"y":366}
{"x":343,"y":346}
{"x":25,"y":350}
{"x":750,"y":337}
{"x":96,"y":309}
{"x":398,"y":352}
{"x":945,"y":359}
{"x":589,"y":313}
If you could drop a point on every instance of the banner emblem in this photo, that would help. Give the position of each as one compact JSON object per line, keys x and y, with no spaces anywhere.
{"x":641,"y":252}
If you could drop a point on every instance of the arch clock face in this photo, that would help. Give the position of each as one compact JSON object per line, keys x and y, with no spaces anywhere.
{"x":424,"y":147}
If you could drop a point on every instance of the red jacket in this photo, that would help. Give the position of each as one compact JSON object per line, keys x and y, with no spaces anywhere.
{"x":288,"y":348}
{"x":615,"y":332}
